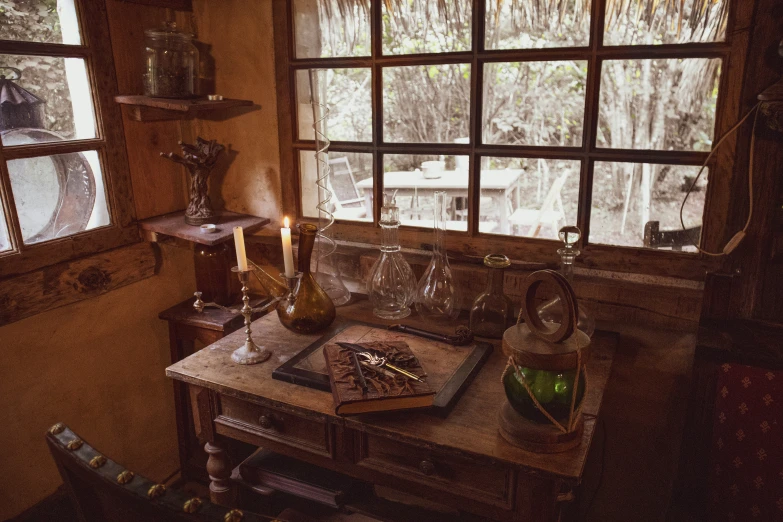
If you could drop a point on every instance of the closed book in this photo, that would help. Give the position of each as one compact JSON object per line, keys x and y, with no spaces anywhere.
{"x":386,"y":390}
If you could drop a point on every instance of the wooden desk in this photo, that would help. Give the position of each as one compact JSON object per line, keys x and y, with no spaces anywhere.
{"x":186,"y":326}
{"x":460,"y":461}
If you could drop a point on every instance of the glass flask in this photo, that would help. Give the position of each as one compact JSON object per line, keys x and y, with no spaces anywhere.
{"x":492,"y":311}
{"x":309,"y":309}
{"x":171,"y":63}
{"x":552,"y":311}
{"x":436,"y":296}
{"x":392,"y":285}
{"x":552,"y":389}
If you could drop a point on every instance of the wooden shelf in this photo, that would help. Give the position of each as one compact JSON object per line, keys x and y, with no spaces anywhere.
{"x":146,"y":108}
{"x":173,"y":225}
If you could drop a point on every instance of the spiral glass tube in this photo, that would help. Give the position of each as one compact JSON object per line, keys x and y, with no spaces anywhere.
{"x":327,"y":272}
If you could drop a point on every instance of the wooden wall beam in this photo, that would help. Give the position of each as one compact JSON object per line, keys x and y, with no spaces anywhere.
{"x":72,"y":281}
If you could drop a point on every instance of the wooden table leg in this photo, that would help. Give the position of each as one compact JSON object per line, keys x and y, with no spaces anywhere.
{"x":221,"y":490}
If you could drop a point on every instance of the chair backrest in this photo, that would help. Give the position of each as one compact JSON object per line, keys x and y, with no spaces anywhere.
{"x":104,"y":491}
{"x":343,"y":181}
{"x":549,"y":201}
{"x":654,"y":237}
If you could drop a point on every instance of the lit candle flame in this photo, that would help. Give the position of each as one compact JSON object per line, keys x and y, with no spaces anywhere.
{"x":286,"y":223}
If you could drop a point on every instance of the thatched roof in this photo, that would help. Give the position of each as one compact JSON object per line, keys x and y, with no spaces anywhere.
{"x":700,"y":18}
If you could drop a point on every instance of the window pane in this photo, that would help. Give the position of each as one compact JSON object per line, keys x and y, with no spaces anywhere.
{"x":350,"y":182}
{"x":53,"y":95}
{"x":58,"y":196}
{"x":49,"y":21}
{"x":527,"y":196}
{"x":328,"y":28}
{"x":416,"y":178}
{"x":426,"y":26}
{"x":5,"y":241}
{"x":534,"y":25}
{"x":426,"y":103}
{"x":348,"y":98}
{"x":648,"y":23}
{"x":658,"y":104}
{"x":534,"y":103}
{"x":626,"y":196}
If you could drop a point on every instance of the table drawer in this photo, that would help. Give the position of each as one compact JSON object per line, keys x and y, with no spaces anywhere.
{"x":488,"y":481}
{"x":275,"y":425}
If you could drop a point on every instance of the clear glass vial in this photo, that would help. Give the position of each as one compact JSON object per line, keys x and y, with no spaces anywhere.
{"x":392,"y":285}
{"x":492,"y":311}
{"x":436,"y":296}
{"x":552,"y":311}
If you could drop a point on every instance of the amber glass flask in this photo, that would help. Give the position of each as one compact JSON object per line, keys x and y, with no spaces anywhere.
{"x":308,"y":309}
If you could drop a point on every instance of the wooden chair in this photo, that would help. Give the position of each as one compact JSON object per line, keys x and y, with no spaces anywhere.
{"x":654,"y":237}
{"x":105,"y":491}
{"x":551,"y":211}
{"x":348,"y":202}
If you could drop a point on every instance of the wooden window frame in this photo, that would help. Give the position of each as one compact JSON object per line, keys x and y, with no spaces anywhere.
{"x":96,"y":50}
{"x":693,"y":266}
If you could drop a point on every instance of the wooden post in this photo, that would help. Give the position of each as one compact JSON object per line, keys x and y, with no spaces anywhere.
{"x":221,"y":491}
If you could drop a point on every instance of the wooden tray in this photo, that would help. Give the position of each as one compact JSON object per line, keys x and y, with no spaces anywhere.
{"x":450,"y":369}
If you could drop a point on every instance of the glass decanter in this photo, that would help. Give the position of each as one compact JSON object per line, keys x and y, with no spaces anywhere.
{"x":436,"y":296}
{"x":552,"y":311}
{"x":492,"y":311}
{"x":308,"y":309}
{"x":392,"y":285}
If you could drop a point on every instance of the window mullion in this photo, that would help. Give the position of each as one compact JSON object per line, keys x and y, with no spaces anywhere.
{"x":44,"y":49}
{"x":592,"y":101}
{"x":376,"y":45}
{"x":9,"y":207}
{"x":50,"y":149}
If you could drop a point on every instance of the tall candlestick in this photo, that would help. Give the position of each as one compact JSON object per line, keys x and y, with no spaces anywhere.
{"x":288,"y":251}
{"x":239,"y":243}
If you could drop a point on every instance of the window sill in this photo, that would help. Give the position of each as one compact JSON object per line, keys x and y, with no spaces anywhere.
{"x":73,"y":281}
{"x":652,"y":301}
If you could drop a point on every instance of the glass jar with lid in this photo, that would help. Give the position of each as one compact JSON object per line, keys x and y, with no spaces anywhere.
{"x":171,"y":63}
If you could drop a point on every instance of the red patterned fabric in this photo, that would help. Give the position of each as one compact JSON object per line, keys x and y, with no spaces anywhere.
{"x":746,"y":479}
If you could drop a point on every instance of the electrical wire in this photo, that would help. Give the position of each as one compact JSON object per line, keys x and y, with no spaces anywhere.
{"x":737,"y":238}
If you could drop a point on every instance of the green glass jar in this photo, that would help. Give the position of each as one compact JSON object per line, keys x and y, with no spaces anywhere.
{"x":552,"y":389}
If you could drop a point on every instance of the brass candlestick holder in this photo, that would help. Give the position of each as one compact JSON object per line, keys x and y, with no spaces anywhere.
{"x":249,"y":352}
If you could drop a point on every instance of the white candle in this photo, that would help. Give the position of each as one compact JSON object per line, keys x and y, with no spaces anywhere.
{"x":288,"y":251}
{"x":239,"y":243}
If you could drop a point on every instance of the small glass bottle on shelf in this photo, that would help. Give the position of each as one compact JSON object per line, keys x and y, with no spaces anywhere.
{"x":392,"y":285}
{"x":552,"y":311}
{"x":436,"y":295}
{"x":492,"y":311}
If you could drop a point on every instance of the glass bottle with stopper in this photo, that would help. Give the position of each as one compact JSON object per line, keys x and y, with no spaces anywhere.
{"x":551,"y":312}
{"x":492,"y":311}
{"x":392,"y":285}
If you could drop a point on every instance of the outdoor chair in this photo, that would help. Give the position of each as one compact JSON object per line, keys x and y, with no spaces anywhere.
{"x":551,"y":212}
{"x":674,"y":239}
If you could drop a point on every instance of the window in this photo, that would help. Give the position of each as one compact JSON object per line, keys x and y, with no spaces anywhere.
{"x":63,"y":172}
{"x":531,"y":115}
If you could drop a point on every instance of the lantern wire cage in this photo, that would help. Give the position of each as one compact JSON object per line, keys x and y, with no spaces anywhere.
{"x":327,"y":272}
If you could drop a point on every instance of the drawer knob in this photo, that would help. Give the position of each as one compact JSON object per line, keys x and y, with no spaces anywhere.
{"x":427,"y":467}
{"x":266,"y":422}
